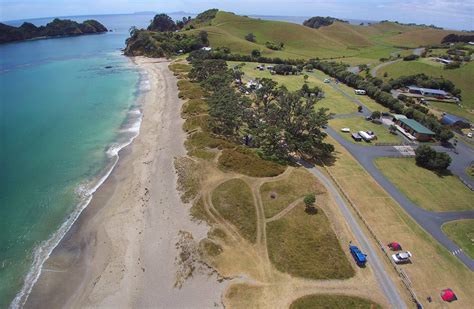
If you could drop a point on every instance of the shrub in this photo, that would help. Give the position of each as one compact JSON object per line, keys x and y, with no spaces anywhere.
{"x":410,"y":57}
{"x":245,"y":161}
{"x":429,"y":158}
{"x":250,"y":37}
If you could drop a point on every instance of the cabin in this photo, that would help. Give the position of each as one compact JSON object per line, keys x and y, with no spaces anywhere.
{"x":427,"y":92}
{"x":415,"y":129}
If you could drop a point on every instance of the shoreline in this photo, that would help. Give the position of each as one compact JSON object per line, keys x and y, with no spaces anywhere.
{"x":122,"y":250}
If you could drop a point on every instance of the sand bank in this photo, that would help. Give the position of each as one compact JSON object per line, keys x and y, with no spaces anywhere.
{"x":122,"y":250}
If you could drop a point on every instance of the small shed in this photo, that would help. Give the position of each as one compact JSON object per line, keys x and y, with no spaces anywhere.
{"x":455,"y":121}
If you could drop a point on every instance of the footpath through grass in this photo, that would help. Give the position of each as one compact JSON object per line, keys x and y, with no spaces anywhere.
{"x":277,"y":195}
{"x":305,"y":245}
{"x":333,"y":301}
{"x":357,"y":124}
{"x":462,"y":233}
{"x":425,"y":188}
{"x":233,"y":200}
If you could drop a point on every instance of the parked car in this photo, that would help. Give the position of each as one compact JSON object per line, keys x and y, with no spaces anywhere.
{"x":358,"y":256}
{"x":346,"y":130}
{"x":327,"y":80}
{"x":360,"y":91}
{"x":402,"y":257}
{"x":469,"y":135}
{"x":368,"y":118}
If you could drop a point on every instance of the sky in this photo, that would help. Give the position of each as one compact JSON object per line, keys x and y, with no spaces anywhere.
{"x":453,"y":14}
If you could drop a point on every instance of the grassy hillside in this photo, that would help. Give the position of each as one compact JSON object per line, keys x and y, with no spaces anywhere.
{"x":463,"y":78}
{"x":349,"y":43}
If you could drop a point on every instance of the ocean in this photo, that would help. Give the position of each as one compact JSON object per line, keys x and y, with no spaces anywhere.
{"x":63,"y":118}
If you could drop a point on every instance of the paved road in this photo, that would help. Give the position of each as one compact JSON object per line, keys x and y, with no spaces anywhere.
{"x":430,"y":221}
{"x":384,"y":280}
{"x":373,"y":72}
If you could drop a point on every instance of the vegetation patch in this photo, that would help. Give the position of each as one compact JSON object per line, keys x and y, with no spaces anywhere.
{"x":426,"y":188}
{"x":462,"y":233}
{"x":194,"y":107}
{"x":233,"y":200}
{"x":245,"y":161}
{"x":189,"y":90}
{"x":193,"y":123}
{"x":210,"y":248}
{"x":277,"y":195}
{"x":333,"y":301}
{"x":305,"y":245}
{"x":243,"y":295}
{"x":198,"y":211}
{"x":188,"y":178}
{"x":179,"y":67}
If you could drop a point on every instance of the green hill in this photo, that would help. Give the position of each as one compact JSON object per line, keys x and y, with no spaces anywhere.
{"x":351,"y":43}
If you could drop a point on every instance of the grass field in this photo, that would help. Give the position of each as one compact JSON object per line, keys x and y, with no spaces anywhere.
{"x":348,"y":43}
{"x":463,"y":78}
{"x":434,"y":267}
{"x":277,"y":195}
{"x":333,"y":301}
{"x":233,"y":200}
{"x":462,"y":233}
{"x":360,"y":124}
{"x":336,"y":102}
{"x":424,"y":187}
{"x":305,"y":245}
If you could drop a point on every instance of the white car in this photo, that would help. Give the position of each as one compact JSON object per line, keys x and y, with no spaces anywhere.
{"x":469,"y":135}
{"x":402,"y":257}
{"x":346,"y":130}
{"x":327,"y":80}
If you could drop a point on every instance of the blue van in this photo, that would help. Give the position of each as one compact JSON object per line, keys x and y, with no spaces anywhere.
{"x":359,"y":257}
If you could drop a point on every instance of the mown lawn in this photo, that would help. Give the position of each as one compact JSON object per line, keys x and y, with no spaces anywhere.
{"x":462,"y":233}
{"x":333,"y":301}
{"x":335,"y":101}
{"x":277,"y":195}
{"x":424,"y":187}
{"x":233,"y":200}
{"x":305,"y":245}
{"x":357,"y":124}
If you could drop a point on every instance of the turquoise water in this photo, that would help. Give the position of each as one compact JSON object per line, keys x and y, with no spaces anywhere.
{"x":63,"y":116}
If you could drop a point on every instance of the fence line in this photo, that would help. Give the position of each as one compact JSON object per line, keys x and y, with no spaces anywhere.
{"x":401,"y":273}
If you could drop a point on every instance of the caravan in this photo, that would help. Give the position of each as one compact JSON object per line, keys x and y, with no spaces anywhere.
{"x":367,"y":137}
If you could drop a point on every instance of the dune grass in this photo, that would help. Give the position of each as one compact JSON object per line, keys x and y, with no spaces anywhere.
{"x":233,"y":200}
{"x":360,"y":124}
{"x":189,"y":90}
{"x":247,"y":162}
{"x":333,"y":301}
{"x":305,"y":245}
{"x":277,"y":195}
{"x":424,"y":187}
{"x":462,"y":233}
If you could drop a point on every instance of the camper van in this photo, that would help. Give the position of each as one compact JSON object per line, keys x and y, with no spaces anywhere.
{"x":367,"y":137}
{"x":360,"y":92}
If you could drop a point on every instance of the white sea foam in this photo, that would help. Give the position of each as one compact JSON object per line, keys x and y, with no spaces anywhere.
{"x":85,"y":192}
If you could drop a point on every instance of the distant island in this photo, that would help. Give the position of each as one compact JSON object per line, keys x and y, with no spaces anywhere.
{"x":58,"y":27}
{"x":319,"y":21}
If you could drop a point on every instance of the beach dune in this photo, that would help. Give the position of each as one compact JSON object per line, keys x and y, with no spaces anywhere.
{"x":122,"y":251}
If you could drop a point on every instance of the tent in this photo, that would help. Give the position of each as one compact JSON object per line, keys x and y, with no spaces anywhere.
{"x":448,"y":295}
{"x":394,"y":246}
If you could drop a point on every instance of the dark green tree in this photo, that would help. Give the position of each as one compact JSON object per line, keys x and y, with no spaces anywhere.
{"x":250,"y":37}
{"x":162,"y":23}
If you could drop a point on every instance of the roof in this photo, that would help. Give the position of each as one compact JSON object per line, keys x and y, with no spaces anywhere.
{"x":449,"y":119}
{"x":417,"y":127}
{"x":399,"y":116}
{"x":434,"y":91}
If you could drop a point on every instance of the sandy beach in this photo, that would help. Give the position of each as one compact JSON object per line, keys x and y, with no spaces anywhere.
{"x":122,"y":251}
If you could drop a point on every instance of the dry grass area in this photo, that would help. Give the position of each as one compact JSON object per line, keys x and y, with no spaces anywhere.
{"x":277,"y":195}
{"x":433,"y":268}
{"x":226,"y":191}
{"x":333,"y":301}
{"x":245,"y":161}
{"x":233,"y":200}
{"x":304,"y":245}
